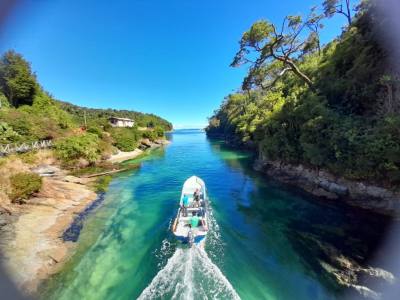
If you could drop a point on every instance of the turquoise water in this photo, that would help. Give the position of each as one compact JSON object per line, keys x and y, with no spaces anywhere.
{"x":266,"y":241}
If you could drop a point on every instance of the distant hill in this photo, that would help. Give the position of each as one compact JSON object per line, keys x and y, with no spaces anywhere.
{"x":29,"y":114}
{"x":141,"y":119}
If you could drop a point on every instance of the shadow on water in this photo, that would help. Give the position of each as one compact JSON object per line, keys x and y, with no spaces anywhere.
{"x":73,"y":231}
{"x":330,"y":238}
{"x":321,"y":234}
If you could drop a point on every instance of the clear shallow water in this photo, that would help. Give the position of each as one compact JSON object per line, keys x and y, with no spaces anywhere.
{"x":266,"y":241}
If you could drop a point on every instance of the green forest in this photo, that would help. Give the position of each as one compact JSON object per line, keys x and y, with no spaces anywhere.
{"x":28,"y":113}
{"x":333,"y":107}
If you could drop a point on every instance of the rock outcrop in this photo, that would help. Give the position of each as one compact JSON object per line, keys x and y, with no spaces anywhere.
{"x":30,"y":243}
{"x":323,"y":184}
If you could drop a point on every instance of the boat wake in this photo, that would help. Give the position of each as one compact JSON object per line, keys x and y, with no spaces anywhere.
{"x":189,"y":274}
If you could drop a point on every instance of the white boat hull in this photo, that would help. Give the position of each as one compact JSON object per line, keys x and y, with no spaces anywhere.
{"x":181,"y":227}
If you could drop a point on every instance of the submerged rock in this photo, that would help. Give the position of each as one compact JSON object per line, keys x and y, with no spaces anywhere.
{"x":350,"y":274}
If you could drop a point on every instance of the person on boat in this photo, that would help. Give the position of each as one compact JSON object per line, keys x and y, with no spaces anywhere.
{"x":203,"y":223}
{"x":196,"y":197}
{"x":194,"y":220}
{"x":185,"y":204}
{"x":202,"y":208}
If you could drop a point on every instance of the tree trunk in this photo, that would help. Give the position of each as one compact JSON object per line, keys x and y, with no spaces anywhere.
{"x":297,"y":71}
{"x":348,"y":12}
{"x":319,"y":47}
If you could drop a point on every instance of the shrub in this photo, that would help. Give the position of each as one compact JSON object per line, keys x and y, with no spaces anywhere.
{"x":125,"y":139}
{"x":149,"y":134}
{"x":7,"y":134}
{"x":71,"y":149}
{"x":23,"y":185}
{"x":106,"y":148}
{"x":159,"y":132}
{"x":95,"y":130}
{"x":31,"y":124}
{"x":3,"y":100}
{"x":44,"y":119}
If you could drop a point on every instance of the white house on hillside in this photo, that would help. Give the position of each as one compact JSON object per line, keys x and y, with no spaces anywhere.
{"x":121,"y":122}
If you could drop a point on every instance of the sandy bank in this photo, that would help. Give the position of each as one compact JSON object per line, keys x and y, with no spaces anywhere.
{"x":31,"y":245}
{"x":145,"y":144}
{"x":122,"y":156}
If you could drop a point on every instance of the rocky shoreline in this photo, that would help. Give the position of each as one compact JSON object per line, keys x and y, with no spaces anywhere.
{"x":322,"y":183}
{"x":31,"y":244}
{"x":357,"y":279}
{"x":325,"y":185}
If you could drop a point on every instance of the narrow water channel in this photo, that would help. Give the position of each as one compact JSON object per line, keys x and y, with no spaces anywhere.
{"x":266,"y":242}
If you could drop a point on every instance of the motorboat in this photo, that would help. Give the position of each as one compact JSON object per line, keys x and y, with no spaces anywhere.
{"x":191,"y":223}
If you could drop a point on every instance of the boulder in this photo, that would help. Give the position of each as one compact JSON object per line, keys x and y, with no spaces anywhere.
{"x":74,"y":179}
{"x":46,"y":170}
{"x":146,"y":142}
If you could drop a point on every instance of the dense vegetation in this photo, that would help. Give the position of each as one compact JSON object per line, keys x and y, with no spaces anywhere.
{"x":84,"y":146}
{"x":100,"y":116}
{"x":334,"y":107}
{"x":82,"y":135}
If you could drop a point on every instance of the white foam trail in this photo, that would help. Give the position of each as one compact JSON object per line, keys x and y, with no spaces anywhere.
{"x":215,"y":245}
{"x":189,"y":274}
{"x":380,"y":273}
{"x":366,"y":292}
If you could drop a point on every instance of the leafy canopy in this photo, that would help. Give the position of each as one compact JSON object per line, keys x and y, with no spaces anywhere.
{"x":349,"y":124}
{"x":271,"y":51}
{"x":17,"y":81}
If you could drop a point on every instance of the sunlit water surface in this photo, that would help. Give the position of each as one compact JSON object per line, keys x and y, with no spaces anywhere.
{"x":266,"y":242}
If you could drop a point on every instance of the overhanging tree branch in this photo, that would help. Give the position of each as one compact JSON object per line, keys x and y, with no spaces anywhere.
{"x":332,"y":7}
{"x":269,"y":45}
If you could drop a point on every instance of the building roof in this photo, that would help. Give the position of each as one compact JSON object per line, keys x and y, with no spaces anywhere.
{"x":121,"y":119}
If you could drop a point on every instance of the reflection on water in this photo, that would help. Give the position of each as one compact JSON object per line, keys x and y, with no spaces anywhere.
{"x":267,"y":242}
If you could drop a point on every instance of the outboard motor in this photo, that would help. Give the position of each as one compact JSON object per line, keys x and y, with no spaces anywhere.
{"x":190,"y":238}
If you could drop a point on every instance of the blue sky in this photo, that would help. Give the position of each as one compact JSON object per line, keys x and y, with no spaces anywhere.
{"x":170,"y":57}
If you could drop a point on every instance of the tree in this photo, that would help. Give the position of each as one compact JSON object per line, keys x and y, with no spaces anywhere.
{"x":276,"y":51}
{"x":314,"y":26}
{"x":332,"y":7}
{"x":17,"y":81}
{"x":389,"y":102}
